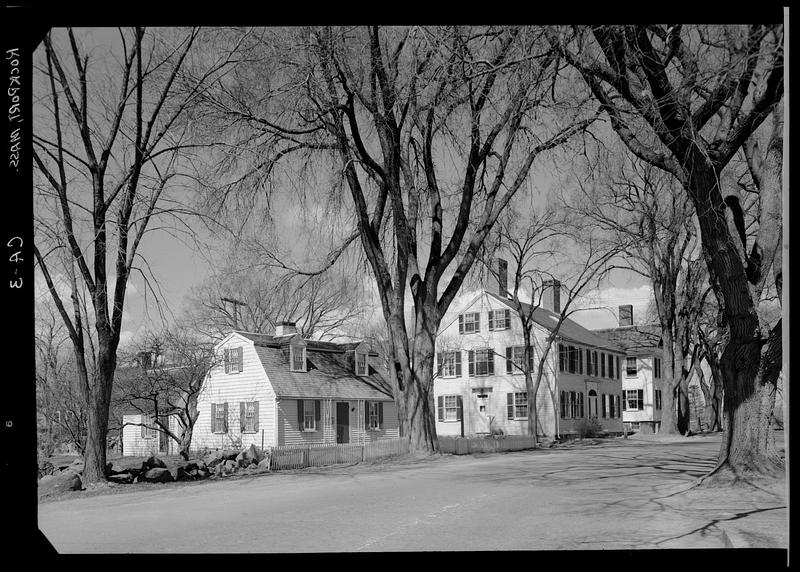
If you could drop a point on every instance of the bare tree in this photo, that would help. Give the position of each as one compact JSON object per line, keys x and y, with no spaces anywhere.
{"x":107,"y":141}
{"x":163,"y":379}
{"x":686,"y":99}
{"x":430,"y":131}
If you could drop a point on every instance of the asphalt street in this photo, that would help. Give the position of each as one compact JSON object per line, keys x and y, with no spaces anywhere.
{"x":616,"y":495}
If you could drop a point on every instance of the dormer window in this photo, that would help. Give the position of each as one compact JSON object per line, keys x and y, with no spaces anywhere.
{"x":361,"y":363}
{"x":234,"y":360}
{"x":297,"y":357}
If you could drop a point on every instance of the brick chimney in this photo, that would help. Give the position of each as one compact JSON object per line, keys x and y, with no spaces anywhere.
{"x":626,"y":315}
{"x":499,"y":277}
{"x":551,"y":295}
{"x":285,"y":329}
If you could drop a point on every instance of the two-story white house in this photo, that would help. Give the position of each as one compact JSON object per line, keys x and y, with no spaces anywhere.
{"x":479,"y":390}
{"x":641,"y":371}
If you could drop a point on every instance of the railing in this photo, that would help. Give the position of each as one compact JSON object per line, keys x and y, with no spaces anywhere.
{"x":319,"y":455}
{"x":469,"y":445}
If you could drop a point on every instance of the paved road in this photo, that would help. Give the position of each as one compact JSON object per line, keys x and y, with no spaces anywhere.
{"x":618,"y":495}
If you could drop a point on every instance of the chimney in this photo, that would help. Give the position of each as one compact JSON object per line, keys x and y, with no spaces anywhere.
{"x":499,"y":278}
{"x":626,"y":315}
{"x":285,"y":329}
{"x":551,"y":295}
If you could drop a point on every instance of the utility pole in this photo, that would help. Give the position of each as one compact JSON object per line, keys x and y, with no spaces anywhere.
{"x":236,"y":304}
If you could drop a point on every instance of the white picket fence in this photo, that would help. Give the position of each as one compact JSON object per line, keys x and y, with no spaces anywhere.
{"x":469,"y":445}
{"x":319,"y":455}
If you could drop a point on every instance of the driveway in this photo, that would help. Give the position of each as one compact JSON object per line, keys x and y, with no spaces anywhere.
{"x":621,"y":494}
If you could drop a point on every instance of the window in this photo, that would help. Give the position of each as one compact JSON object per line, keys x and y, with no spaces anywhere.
{"x":449,"y":364}
{"x":604,"y":407}
{"x":572,"y":353}
{"x":308,"y":414}
{"x":658,"y":399}
{"x":589,"y":366}
{"x":449,"y":408}
{"x":248,"y":416}
{"x":374,"y":415}
{"x":656,"y":368}
{"x":562,"y":357}
{"x":611,"y":366}
{"x":361,"y":364}
{"x":630,"y":366}
{"x":499,"y":319}
{"x":297,"y":357}
{"x":233,"y":360}
{"x":517,"y":405}
{"x":634,"y":399}
{"x":602,"y":364}
{"x":579,"y":351}
{"x":219,"y":417}
{"x":469,"y":323}
{"x":148,"y":427}
{"x":616,"y":407}
{"x":481,"y":362}
{"x":515,"y":360}
{"x":571,"y":403}
{"x":619,"y":371}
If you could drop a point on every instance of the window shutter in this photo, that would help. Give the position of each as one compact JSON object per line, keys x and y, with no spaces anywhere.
{"x":562,"y":405}
{"x":510,"y":405}
{"x":317,"y":410}
{"x":490,"y":357}
{"x":366,"y":414}
{"x":471,"y":363}
{"x":618,"y":373}
{"x":580,"y":401}
{"x":255,"y":412}
{"x":240,"y":359}
{"x":300,"y":415}
{"x":242,"y":414}
{"x":458,"y":363}
{"x":225,"y":408}
{"x":461,"y":324}
{"x":579,"y":351}
{"x":440,"y":408}
{"x":491,"y":320}
{"x":509,"y":360}
{"x":640,"y":395}
{"x":380,"y":414}
{"x":213,"y":417}
{"x":439,"y":362}
{"x":459,"y":408}
{"x":226,"y":356}
{"x":478,"y":322}
{"x":610,"y":406}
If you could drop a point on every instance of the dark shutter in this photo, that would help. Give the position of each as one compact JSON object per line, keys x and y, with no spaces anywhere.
{"x":602,"y":364}
{"x":255,"y":412}
{"x":300,"y":415}
{"x":242,"y":415}
{"x":317,"y":410}
{"x":226,"y":356}
{"x":510,"y":405}
{"x":380,"y":414}
{"x":580,"y":360}
{"x":509,"y":360}
{"x":240,"y":358}
{"x":213,"y":417}
{"x":458,"y":363}
{"x":459,"y":408}
{"x":440,"y":408}
{"x":618,"y":372}
{"x":562,"y":405}
{"x":640,"y":395}
{"x":225,"y":408}
{"x":471,"y":363}
{"x":490,"y":358}
{"x":491,"y":320}
{"x":580,"y":401}
{"x":461,"y":324}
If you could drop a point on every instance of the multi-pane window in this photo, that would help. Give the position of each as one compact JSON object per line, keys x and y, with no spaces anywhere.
{"x":634,"y":399}
{"x":297,"y":357}
{"x":481,"y":362}
{"x":361,"y":363}
{"x":449,"y":363}
{"x":499,"y":319}
{"x":233,"y":358}
{"x":630,"y":366}
{"x":469,"y":323}
{"x":571,"y":404}
{"x":148,"y":427}
{"x":572,"y":353}
{"x":219,"y":417}
{"x":309,"y":418}
{"x":515,"y":359}
{"x":658,"y":399}
{"x":248,"y":416}
{"x":602,"y":364}
{"x":374,"y":415}
{"x":449,"y":408}
{"x":656,"y":368}
{"x":562,"y":357}
{"x":517,"y":405}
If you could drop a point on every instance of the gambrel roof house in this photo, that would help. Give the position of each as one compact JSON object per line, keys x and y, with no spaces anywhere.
{"x":282,"y":389}
{"x":487,"y":394}
{"x":641,"y":375}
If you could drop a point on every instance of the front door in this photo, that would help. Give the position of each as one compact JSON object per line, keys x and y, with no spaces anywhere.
{"x":592,"y":403}
{"x":342,"y":422}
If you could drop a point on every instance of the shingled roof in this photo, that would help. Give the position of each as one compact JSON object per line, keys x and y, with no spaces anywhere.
{"x":569,"y":330}
{"x":330,"y":371}
{"x":635,"y":340}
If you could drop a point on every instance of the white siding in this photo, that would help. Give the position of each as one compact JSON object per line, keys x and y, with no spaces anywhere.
{"x":251,"y":384}
{"x":643,"y":380}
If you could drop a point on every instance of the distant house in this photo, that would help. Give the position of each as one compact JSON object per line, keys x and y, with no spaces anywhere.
{"x":641,"y":371}
{"x":479,"y":390}
{"x":282,"y":389}
{"x":140,"y":438}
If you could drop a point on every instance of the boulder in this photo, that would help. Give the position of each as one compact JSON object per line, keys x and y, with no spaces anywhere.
{"x":126,"y":465}
{"x":179,"y":474}
{"x":62,"y":482}
{"x":76,"y":466}
{"x":154,"y":462}
{"x":230,"y":466}
{"x":202,"y":474}
{"x":121,"y":478}
{"x":46,"y":468}
{"x":157,"y":475}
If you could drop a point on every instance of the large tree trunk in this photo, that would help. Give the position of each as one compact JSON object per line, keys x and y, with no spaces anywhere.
{"x":669,"y":397}
{"x":683,"y":415}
